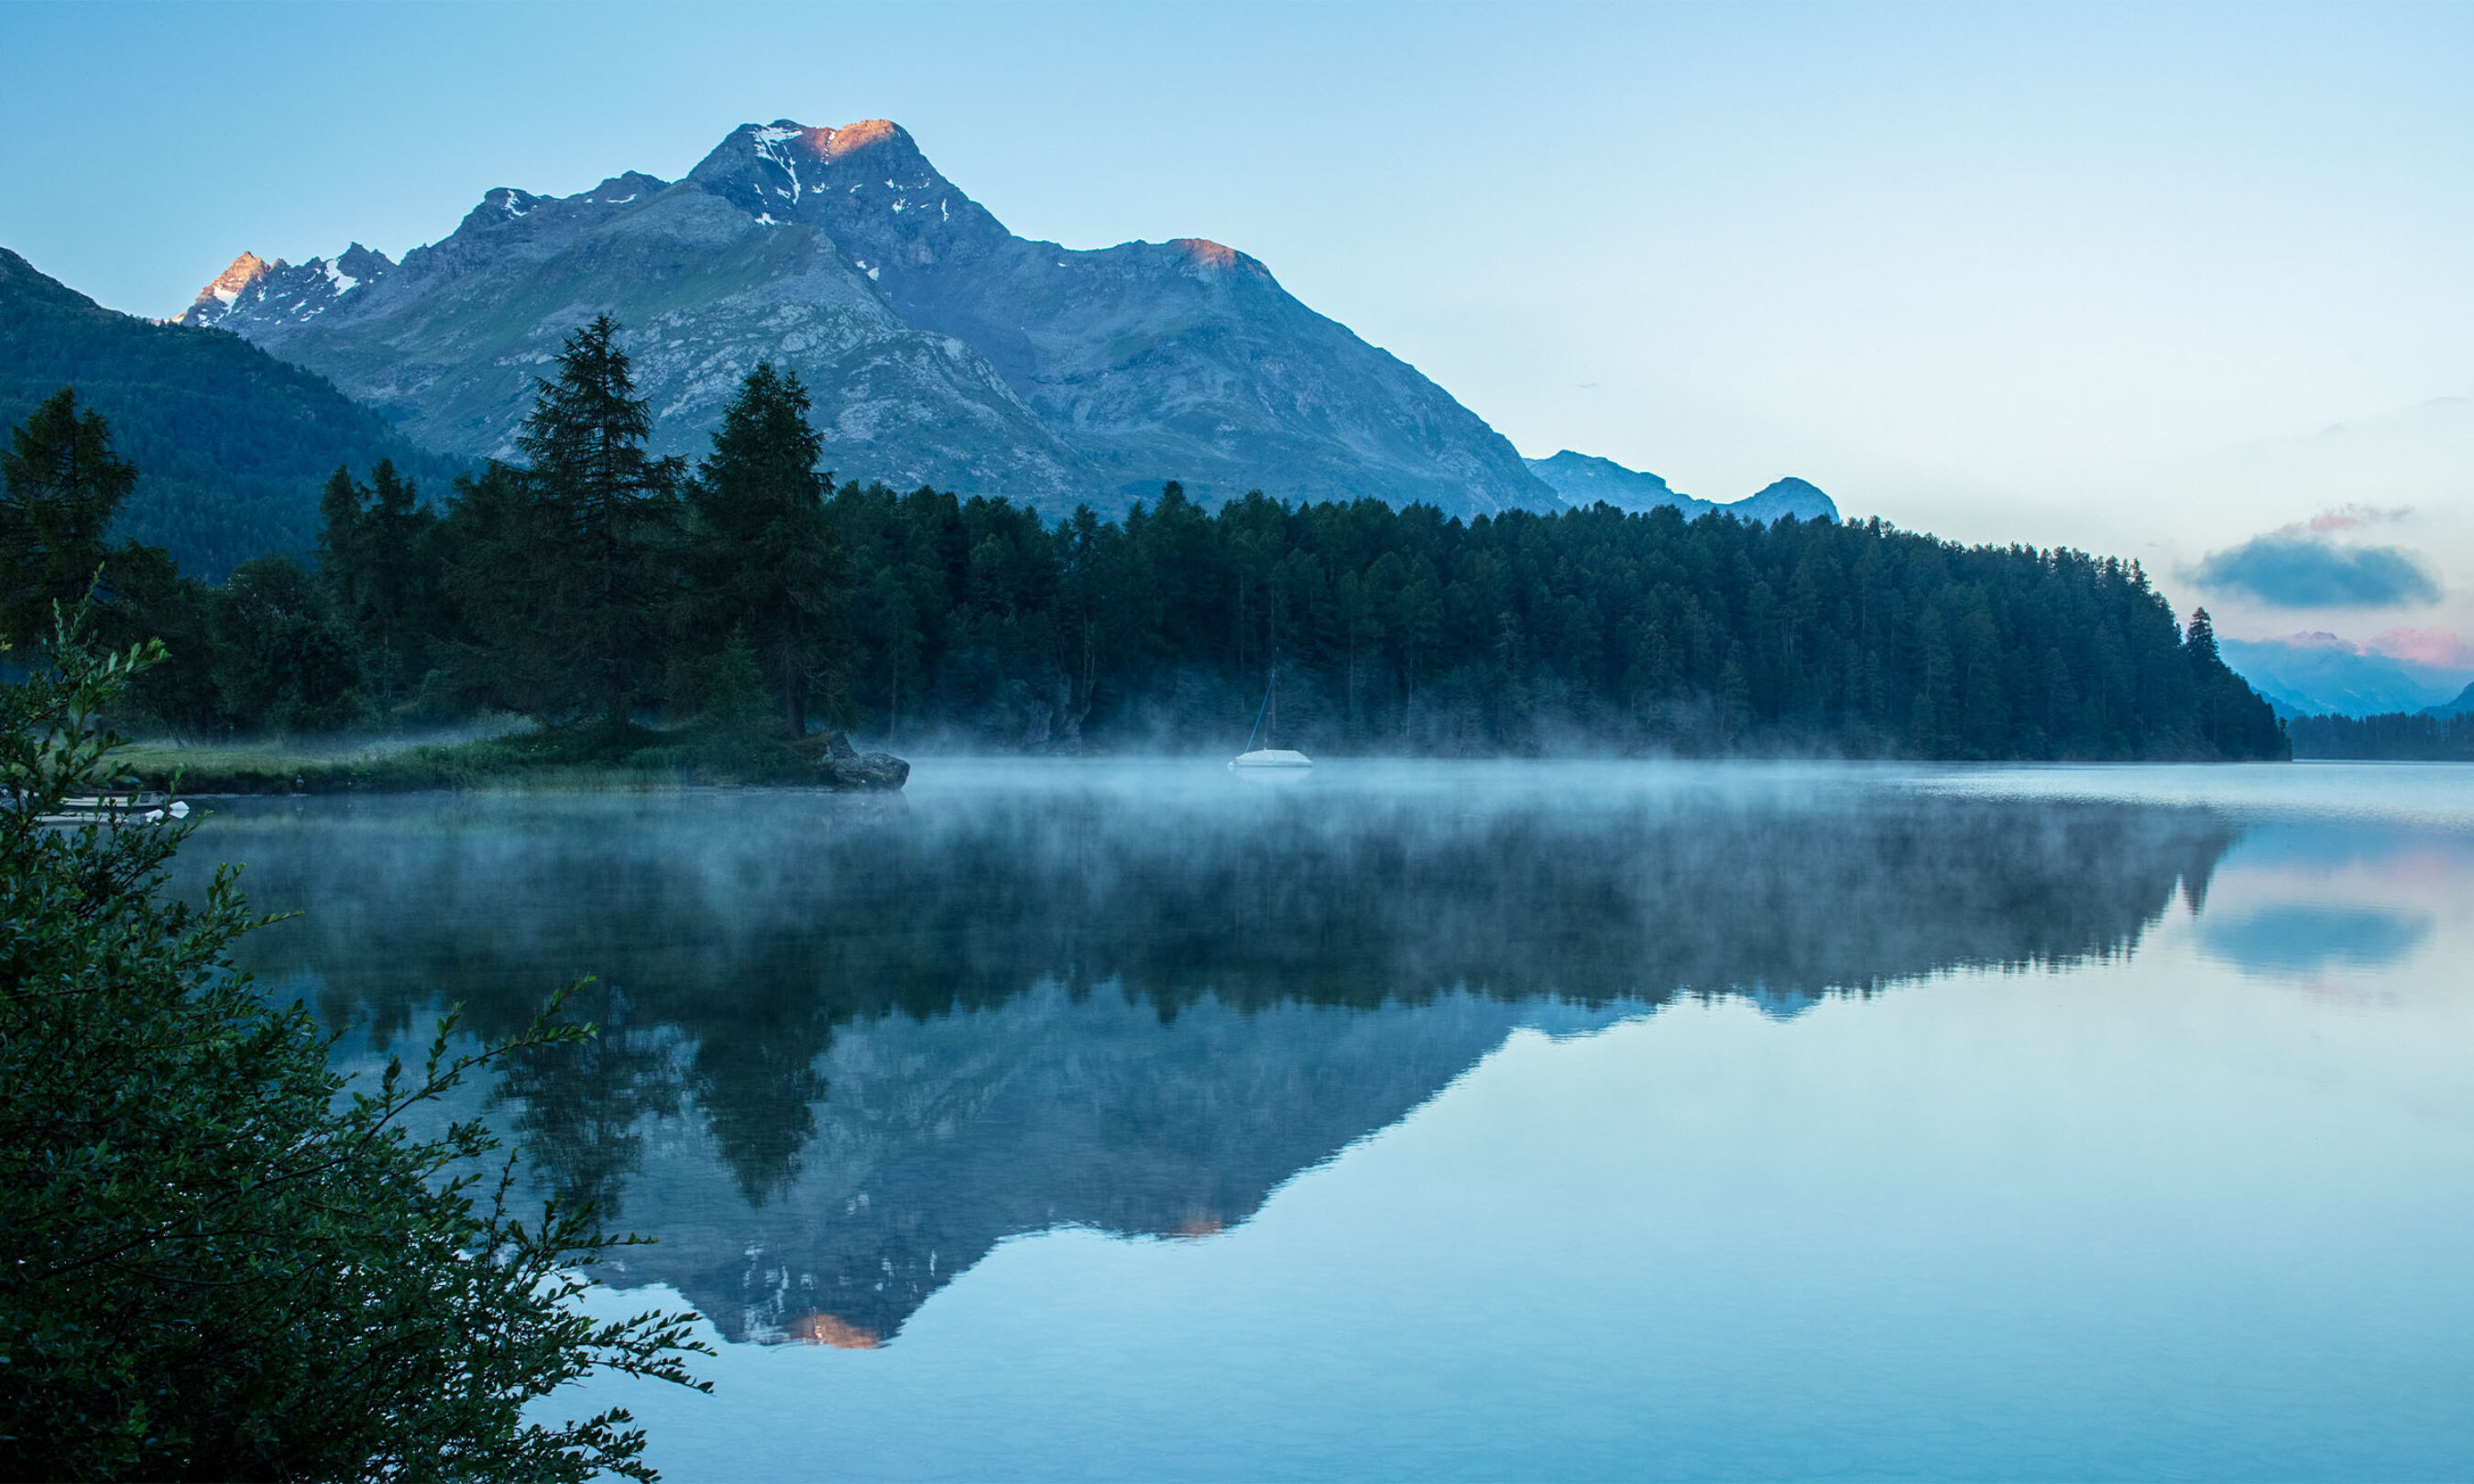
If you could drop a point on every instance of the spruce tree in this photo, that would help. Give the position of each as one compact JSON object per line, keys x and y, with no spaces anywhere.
{"x":607,"y":504}
{"x":500,"y":582}
{"x":762,"y":556}
{"x":2201,"y":640}
{"x":63,"y":485}
{"x":376,"y":552}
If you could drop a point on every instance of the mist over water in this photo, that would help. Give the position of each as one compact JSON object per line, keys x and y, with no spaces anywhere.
{"x":1673,"y":1120}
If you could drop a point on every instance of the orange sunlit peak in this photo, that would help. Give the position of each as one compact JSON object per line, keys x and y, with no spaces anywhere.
{"x":1202,"y":249}
{"x":245,"y":270}
{"x":835,"y":143}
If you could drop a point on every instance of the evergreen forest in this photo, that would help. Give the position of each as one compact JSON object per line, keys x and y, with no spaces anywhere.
{"x":2395,"y":736}
{"x":593,"y":588}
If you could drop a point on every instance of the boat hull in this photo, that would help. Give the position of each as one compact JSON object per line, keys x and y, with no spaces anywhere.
{"x":1270,"y":758}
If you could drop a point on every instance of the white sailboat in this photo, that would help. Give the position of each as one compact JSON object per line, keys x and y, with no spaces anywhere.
{"x":1268,"y":757}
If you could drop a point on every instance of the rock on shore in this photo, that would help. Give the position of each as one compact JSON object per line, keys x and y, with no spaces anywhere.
{"x":840,"y":765}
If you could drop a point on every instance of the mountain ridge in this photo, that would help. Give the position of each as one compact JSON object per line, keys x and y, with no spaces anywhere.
{"x":2320,"y":674}
{"x":2463,"y":704}
{"x":1582,"y":480}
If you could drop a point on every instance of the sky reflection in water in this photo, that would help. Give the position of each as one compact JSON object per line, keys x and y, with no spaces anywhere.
{"x":1485,"y":1120}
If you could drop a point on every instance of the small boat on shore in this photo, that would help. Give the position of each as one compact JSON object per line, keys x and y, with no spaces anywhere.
{"x":116,"y":808}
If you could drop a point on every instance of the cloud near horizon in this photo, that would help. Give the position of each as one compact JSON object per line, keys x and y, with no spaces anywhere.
{"x":2434,"y":647}
{"x":2299,"y":568}
{"x":2429,"y":649}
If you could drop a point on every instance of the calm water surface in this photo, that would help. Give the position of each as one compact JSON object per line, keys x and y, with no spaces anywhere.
{"x":1480,"y":1121}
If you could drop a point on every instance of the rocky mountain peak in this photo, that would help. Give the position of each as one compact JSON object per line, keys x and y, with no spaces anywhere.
{"x":866,"y":184}
{"x":256,"y":290}
{"x":940,"y":348}
{"x":1584,"y":480}
{"x":851,"y":138}
{"x":1209,"y":254}
{"x":620,"y":189}
{"x":1801,"y":498}
{"x":361,"y":264}
{"x":880,"y":140}
{"x":499,"y":205}
{"x":225,"y":290}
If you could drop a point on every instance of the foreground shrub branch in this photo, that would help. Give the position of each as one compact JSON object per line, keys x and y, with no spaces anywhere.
{"x":218,"y":1258}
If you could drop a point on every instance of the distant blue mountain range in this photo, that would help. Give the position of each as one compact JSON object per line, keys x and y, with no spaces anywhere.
{"x":2321,"y":674}
{"x":2464,"y":704}
{"x":1584,"y":480}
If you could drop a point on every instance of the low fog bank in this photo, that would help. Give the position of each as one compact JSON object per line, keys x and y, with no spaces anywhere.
{"x":340,"y":746}
{"x":1358,"y":886}
{"x":1195,"y":715}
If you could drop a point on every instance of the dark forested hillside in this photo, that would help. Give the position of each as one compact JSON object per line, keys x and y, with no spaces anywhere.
{"x":1406,"y":631}
{"x":232,"y":445}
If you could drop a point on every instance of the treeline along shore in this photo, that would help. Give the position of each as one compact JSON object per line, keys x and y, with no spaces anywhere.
{"x":644,"y":613}
{"x":2393,"y":736}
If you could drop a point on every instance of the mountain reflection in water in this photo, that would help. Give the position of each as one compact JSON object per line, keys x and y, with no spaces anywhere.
{"x":849,"y":1046}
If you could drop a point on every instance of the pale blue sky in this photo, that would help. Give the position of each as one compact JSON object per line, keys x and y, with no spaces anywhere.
{"x":2103,"y":275}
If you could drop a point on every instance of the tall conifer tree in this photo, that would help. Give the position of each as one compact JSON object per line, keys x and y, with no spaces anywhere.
{"x":506,"y":597}
{"x":376,"y":553}
{"x":607,"y":504}
{"x":763,"y":557}
{"x":63,"y":484}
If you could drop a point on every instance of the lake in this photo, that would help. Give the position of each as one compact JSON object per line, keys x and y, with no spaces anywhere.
{"x":1468,"y":1121}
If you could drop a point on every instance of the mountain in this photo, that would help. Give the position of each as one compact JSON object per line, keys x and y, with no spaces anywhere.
{"x":1784,"y":497}
{"x":942,"y":1138}
{"x":2321,"y":675}
{"x":2464,"y":704}
{"x":231,"y":444}
{"x":1583,"y":481}
{"x":941,"y":348}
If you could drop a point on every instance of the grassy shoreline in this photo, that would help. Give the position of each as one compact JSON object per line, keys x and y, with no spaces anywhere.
{"x":567,"y":758}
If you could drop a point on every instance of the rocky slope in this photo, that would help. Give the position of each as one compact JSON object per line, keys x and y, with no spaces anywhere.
{"x":1583,"y":481}
{"x":941,"y":347}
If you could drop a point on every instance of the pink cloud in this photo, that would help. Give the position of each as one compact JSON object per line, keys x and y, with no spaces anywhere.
{"x":2437,"y":648}
{"x":2434,"y":647}
{"x":2346,"y":517}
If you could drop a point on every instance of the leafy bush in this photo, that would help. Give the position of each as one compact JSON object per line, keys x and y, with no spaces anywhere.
{"x":217,"y":1258}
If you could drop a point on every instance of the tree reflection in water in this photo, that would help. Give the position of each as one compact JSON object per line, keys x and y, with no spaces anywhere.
{"x":849,"y":1044}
